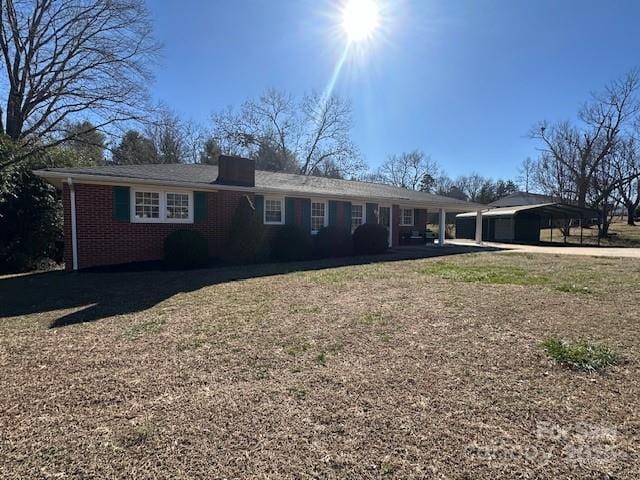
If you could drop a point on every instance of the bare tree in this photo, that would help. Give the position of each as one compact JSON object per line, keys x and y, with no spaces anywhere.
{"x":581,"y":149}
{"x":604,"y":188}
{"x":407,"y":170}
{"x":554,"y":179}
{"x":526,"y":174}
{"x":628,"y":170}
{"x":65,"y":58}
{"x":313,"y":134}
{"x":471,"y":185}
{"x":167,"y":132}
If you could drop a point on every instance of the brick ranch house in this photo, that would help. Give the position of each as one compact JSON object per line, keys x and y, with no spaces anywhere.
{"x":122,"y":214}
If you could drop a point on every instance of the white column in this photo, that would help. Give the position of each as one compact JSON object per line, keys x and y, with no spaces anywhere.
{"x":442,"y":228}
{"x":479,"y":226}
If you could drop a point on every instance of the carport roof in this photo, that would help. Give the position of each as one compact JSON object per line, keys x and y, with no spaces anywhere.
{"x":555,"y":210}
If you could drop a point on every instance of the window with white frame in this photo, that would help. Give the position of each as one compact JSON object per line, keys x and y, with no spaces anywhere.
{"x":273,"y":211}
{"x":155,"y":206}
{"x":357,"y":216}
{"x":147,"y":205}
{"x":177,"y":206}
{"x":406,"y":217}
{"x":318,"y":216}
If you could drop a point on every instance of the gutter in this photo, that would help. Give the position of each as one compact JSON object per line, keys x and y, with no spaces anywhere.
{"x":74,"y":228}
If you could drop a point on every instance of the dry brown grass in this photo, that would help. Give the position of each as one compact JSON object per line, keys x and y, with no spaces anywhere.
{"x":387,"y":370}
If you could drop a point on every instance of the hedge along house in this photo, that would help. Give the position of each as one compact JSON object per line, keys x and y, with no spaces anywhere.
{"x":122,"y":214}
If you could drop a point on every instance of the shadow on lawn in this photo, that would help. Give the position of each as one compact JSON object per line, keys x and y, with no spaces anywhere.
{"x":111,"y":293}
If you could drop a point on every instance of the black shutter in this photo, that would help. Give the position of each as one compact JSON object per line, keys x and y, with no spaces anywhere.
{"x":200,"y":207}
{"x":122,"y":204}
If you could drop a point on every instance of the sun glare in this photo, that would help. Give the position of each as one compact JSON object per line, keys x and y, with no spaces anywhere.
{"x":360,"y":19}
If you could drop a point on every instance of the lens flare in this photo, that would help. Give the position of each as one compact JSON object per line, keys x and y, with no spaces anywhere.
{"x":360,"y":19}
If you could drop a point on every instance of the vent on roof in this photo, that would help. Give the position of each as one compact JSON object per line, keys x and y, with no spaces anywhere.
{"x":236,"y":171}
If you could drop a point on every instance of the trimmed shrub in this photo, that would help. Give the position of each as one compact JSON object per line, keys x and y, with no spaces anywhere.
{"x":333,"y":242}
{"x":185,"y":249}
{"x":291,"y":243}
{"x":246,"y":234}
{"x":370,"y":239}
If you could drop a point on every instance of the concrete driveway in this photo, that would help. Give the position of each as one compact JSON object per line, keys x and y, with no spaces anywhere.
{"x":559,"y":250}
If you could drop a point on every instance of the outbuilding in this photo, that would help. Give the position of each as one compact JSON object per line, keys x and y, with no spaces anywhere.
{"x":519,"y":224}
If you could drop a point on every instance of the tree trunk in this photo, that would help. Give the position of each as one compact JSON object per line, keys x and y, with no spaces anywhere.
{"x":583,"y":187}
{"x":631,"y":211}
{"x":14,"y":116}
{"x":604,"y":222}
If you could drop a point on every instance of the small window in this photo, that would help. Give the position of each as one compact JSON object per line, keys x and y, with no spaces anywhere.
{"x":318,"y":216}
{"x":273,"y":211}
{"x":178,"y":206}
{"x":147,"y":205}
{"x":406,"y":217}
{"x":357,"y":216}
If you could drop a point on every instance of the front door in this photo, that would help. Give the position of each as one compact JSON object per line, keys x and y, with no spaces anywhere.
{"x":384,"y":218}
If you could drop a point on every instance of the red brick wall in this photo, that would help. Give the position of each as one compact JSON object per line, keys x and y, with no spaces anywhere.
{"x":102,"y":240}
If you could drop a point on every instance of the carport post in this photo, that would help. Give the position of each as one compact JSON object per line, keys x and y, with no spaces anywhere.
{"x":580,"y":229}
{"x":479,"y":226}
{"x":442,"y":228}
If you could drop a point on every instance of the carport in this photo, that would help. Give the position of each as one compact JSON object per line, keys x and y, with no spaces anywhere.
{"x":521,"y":224}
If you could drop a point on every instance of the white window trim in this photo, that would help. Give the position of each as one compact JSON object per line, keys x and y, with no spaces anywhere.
{"x":326,"y":213}
{"x":364,"y":214}
{"x":264,"y":210}
{"x":402,"y":209}
{"x":163,"y":206}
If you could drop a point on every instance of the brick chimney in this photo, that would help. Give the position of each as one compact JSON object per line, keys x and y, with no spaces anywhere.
{"x":236,"y":171}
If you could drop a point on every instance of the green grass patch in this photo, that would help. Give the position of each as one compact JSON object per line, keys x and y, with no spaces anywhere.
{"x":344,"y":275}
{"x":191,"y":345}
{"x":296,"y":346}
{"x":298,"y":393}
{"x":304,"y":309}
{"x":573,"y":288}
{"x":496,"y":274}
{"x":321,"y":359}
{"x":136,"y":435}
{"x":136,"y":331}
{"x":387,"y":469}
{"x":581,"y":355}
{"x":372,"y":318}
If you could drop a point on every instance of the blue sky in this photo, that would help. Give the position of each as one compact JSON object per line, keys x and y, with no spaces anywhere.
{"x":461,"y":80}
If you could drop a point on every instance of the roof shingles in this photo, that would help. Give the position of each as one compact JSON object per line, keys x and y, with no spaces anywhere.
{"x":266,"y":182}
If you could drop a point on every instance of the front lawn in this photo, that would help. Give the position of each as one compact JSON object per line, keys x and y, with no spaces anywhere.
{"x":430,"y":368}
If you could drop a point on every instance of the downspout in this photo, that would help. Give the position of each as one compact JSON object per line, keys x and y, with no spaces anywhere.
{"x":74,"y":236}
